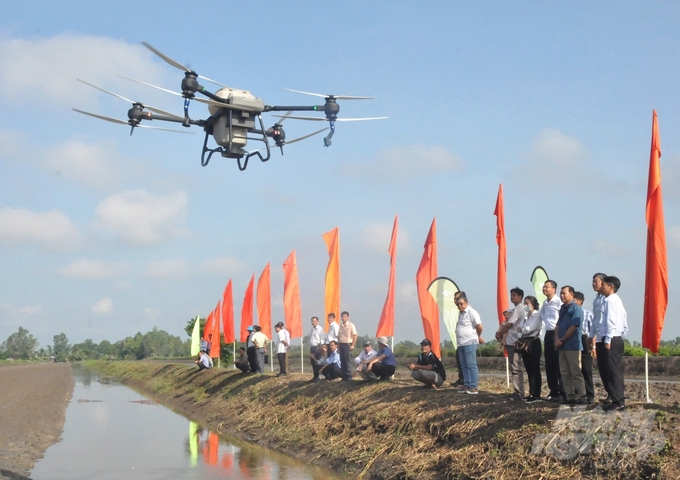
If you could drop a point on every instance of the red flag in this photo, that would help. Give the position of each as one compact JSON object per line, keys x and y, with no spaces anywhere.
{"x":332,"y":298}
{"x":386,"y":323}
{"x":656,"y":274}
{"x":247,"y":310}
{"x":291,"y":297}
{"x":427,"y":271}
{"x":264,"y":302}
{"x":215,"y":345}
{"x":502,"y":282}
{"x":228,"y":315}
{"x":209,"y":327}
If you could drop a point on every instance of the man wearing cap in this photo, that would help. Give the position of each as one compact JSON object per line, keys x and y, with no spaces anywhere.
{"x":250,"y":350}
{"x":331,"y":367}
{"x":260,"y":341}
{"x":384,"y":363}
{"x":428,"y":369}
{"x":347,"y":337}
{"x":363,"y":358}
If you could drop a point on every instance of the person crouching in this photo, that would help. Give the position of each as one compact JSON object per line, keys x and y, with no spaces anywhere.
{"x":428,"y":369}
{"x":203,"y":361}
{"x":332,"y":368}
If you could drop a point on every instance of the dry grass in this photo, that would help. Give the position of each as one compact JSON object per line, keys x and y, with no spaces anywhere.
{"x":398,"y":430}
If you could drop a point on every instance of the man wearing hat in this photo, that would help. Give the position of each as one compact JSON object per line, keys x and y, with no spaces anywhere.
{"x":428,"y":369}
{"x":364,"y":357}
{"x":250,"y":350}
{"x":384,"y":363}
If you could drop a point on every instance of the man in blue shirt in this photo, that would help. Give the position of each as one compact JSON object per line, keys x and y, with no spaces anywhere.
{"x":587,"y":341}
{"x":332,"y":368}
{"x":384,"y":363}
{"x":568,"y":344}
{"x":203,"y":361}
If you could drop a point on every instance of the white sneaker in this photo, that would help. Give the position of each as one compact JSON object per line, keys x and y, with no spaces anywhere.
{"x":472,"y":391}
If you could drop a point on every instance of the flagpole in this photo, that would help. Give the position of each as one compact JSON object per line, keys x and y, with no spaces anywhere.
{"x":271,"y":356}
{"x":647,"y":374}
{"x":234,"y":355}
{"x":302,"y":357}
{"x":507,"y":370}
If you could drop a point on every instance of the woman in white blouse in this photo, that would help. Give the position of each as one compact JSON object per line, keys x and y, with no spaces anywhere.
{"x":531,"y":327}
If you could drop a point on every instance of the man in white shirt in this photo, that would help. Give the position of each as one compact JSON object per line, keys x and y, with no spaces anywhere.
{"x":282,"y":348}
{"x":364,"y":357}
{"x":550,"y":313}
{"x":598,"y":308}
{"x":260,"y":342}
{"x":511,"y":328}
{"x":469,"y":336}
{"x":333,"y":328}
{"x":612,"y":330}
{"x":316,"y":339}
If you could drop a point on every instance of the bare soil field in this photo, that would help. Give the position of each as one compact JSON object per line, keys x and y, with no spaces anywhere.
{"x":33,"y":400}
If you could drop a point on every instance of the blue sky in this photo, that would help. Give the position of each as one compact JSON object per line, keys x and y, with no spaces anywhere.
{"x":103,"y":235}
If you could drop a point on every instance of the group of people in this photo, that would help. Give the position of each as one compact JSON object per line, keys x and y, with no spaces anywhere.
{"x":573,"y":337}
{"x":252,"y":358}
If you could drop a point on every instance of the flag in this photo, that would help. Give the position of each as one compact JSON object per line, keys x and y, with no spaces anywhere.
{"x":228,"y":315}
{"x":502,"y":302}
{"x":386,"y":323}
{"x":247,"y":310}
{"x":291,"y":297}
{"x":264,"y":302}
{"x":442,"y":290}
{"x":209,"y":328}
{"x":656,"y":274}
{"x":196,"y":337}
{"x":332,"y":299}
{"x":538,"y":278}
{"x":427,"y":271}
{"x":215,"y":345}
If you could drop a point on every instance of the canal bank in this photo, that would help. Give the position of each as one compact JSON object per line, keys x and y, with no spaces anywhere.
{"x":400,"y":430}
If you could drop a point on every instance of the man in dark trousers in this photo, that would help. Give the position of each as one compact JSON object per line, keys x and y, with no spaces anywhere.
{"x":587,"y":339}
{"x":250,"y":350}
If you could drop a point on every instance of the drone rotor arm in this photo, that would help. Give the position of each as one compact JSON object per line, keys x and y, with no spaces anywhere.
{"x":337,"y":97}
{"x":102,"y":117}
{"x":299,"y":139}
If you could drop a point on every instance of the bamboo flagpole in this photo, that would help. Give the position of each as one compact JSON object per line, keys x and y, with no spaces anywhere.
{"x":271,"y":356}
{"x":302,"y":355}
{"x":647,"y":374}
{"x":507,"y":371}
{"x":234,"y":355}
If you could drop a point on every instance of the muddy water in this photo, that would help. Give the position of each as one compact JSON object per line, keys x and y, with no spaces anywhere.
{"x":112,"y":432}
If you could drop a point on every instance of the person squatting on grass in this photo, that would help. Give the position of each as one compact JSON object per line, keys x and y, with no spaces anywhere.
{"x":282,"y":348}
{"x":469,"y":336}
{"x":331,"y":367}
{"x":242,"y":362}
{"x":365,"y":356}
{"x":382,"y":366}
{"x":203,"y":361}
{"x":428,"y":369}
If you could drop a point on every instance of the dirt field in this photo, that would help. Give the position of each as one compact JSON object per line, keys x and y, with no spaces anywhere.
{"x":33,"y":400}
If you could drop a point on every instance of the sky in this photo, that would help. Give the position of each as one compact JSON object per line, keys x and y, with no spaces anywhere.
{"x":103,"y":234}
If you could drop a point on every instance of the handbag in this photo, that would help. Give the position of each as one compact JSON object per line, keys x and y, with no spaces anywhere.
{"x":524,"y":345}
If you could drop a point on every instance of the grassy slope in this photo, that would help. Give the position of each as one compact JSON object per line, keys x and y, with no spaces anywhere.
{"x":394,"y":430}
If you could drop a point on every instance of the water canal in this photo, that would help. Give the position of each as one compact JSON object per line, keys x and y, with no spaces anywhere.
{"x":113,"y":432}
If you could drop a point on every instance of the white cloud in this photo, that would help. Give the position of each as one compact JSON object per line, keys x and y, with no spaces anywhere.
{"x":93,"y":269}
{"x":403,"y":163}
{"x":140,"y":218}
{"x":376,"y":237}
{"x":31,"y":310}
{"x":47,"y":67}
{"x":49,"y":230}
{"x":226,"y":266}
{"x":167,"y":270}
{"x":95,"y":165}
{"x":105,"y":305}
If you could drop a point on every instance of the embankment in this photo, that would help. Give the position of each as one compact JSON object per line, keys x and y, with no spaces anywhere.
{"x":400,"y":430}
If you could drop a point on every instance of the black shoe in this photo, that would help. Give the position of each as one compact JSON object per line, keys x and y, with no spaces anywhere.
{"x":459,"y":382}
{"x":532,"y":399}
{"x":614,"y":407}
{"x":606,"y":401}
{"x":581,"y":401}
{"x":551,"y":398}
{"x":590,"y":400}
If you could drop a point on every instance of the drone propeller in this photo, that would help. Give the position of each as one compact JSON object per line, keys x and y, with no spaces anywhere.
{"x":201,"y":100}
{"x":284,"y":142}
{"x":178,"y":65}
{"x":304,"y":137}
{"x":324,"y":119}
{"x":148,"y":107}
{"x":337,"y":97}
{"x":130,"y":123}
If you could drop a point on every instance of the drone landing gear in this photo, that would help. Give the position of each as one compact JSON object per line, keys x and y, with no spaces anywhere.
{"x":327,"y":138}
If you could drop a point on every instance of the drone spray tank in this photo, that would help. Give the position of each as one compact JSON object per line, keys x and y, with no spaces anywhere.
{"x":230,"y":131}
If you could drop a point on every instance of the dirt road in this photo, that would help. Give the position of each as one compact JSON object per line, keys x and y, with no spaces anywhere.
{"x":33,"y":400}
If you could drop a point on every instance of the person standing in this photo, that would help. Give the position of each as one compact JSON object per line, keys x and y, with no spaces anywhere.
{"x":531,"y":327}
{"x":587,"y":341}
{"x":550,"y":312}
{"x":469,"y":336}
{"x":282,"y":348}
{"x":598,"y":310}
{"x":428,"y":369}
{"x":512,"y":330}
{"x":250,"y":350}
{"x":333,"y":327}
{"x":459,"y":381}
{"x":613,"y":329}
{"x":347,"y":338}
{"x":568,"y":346}
{"x":316,"y":339}
{"x":260,"y":342}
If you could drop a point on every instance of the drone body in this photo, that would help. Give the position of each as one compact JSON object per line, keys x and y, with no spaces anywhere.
{"x":235,"y":116}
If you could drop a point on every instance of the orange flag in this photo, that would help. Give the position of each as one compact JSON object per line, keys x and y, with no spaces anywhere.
{"x":386,"y":323}
{"x":247,"y":310}
{"x":291,"y":297}
{"x":502,"y":282}
{"x":215,"y":346}
{"x":264,"y":302}
{"x":228,"y":315}
{"x":332,"y":301}
{"x":209,"y":327}
{"x":427,"y":271}
{"x":656,"y":275}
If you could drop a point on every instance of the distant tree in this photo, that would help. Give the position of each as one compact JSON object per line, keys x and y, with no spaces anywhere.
{"x":20,"y":344}
{"x":62,"y":349}
{"x":189,"y":328}
{"x":105,"y":349}
{"x":86,"y":350}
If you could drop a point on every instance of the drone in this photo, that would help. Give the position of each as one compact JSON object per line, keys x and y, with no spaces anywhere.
{"x":235,"y":116}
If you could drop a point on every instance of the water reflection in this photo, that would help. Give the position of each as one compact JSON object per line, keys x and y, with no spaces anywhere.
{"x":112,"y":432}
